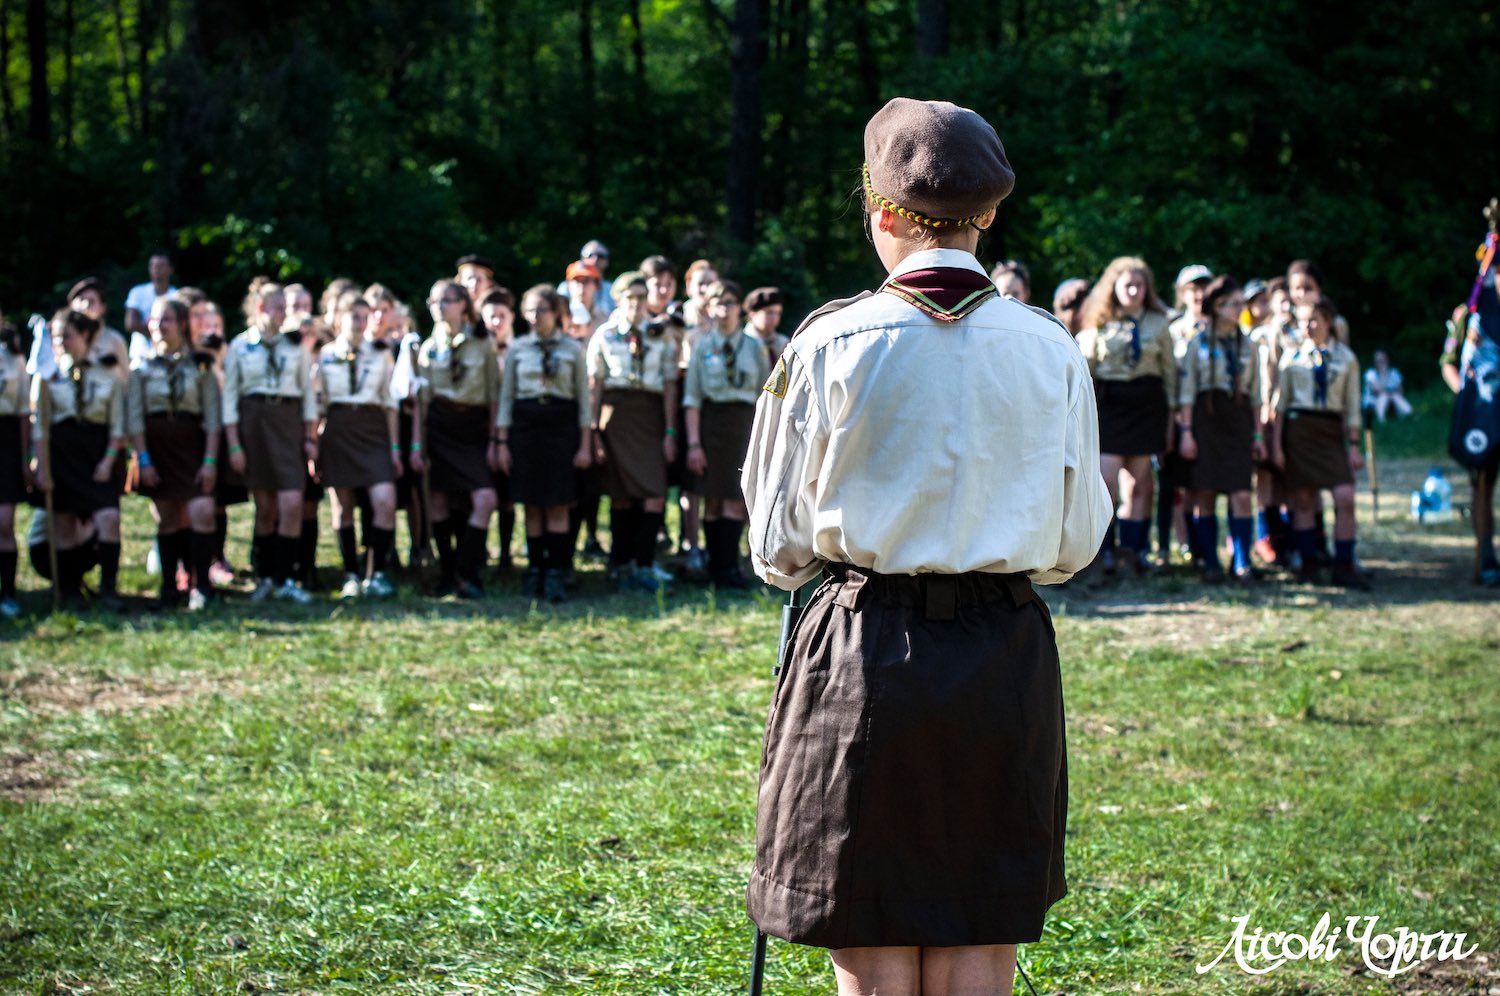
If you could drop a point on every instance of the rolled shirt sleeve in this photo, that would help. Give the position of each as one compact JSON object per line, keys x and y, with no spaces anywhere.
{"x":787,"y":445}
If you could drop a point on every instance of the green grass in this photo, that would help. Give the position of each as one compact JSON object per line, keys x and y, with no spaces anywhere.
{"x":435,"y":798}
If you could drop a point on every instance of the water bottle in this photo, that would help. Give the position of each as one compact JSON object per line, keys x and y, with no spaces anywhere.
{"x":1434,"y":503}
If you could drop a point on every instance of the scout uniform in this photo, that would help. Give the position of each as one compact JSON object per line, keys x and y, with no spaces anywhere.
{"x":544,"y":408}
{"x":174,"y":402}
{"x":723,"y":383}
{"x":634,"y":376}
{"x":933,"y":448}
{"x":270,"y":394}
{"x":1134,"y":366}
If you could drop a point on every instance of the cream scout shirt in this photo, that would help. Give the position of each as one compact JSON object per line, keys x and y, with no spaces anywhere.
{"x":1297,"y":381}
{"x":173,"y":385}
{"x":276,"y":366}
{"x":88,"y":392}
{"x":460,"y":367}
{"x":646,"y":366}
{"x":894,"y":442}
{"x":1210,"y":361}
{"x":15,"y":384}
{"x":356,"y":375}
{"x":1111,"y":355}
{"x":725,"y":368}
{"x":109,"y":342}
{"x":536,"y":369}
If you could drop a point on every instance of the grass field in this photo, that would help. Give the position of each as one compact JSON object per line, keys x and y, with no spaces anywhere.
{"x":419,"y":797}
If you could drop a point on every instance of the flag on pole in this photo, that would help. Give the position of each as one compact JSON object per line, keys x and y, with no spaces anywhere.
{"x":43,"y":361}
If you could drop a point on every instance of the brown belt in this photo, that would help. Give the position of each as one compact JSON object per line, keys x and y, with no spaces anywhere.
{"x":939,"y":595}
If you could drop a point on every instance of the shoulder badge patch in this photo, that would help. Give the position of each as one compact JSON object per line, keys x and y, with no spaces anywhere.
{"x":776,"y":385}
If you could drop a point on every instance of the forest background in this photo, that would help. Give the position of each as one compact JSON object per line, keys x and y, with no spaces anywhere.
{"x":381,"y":139}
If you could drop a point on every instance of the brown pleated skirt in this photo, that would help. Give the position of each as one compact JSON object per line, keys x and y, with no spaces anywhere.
{"x":272,"y":434}
{"x":1224,"y":429}
{"x":1132,"y":416}
{"x":914,"y":778}
{"x":1317,"y":451}
{"x":230,"y":489}
{"x":176,"y":444}
{"x":543,"y":439}
{"x":633,"y":425}
{"x":458,"y":443}
{"x":355,"y":448}
{"x":12,"y":461}
{"x":726,"y":432}
{"x":76,"y":449}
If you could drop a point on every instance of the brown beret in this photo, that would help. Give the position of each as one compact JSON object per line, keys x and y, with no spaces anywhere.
{"x":940,"y":164}
{"x":85,"y":285}
{"x":762,"y":297}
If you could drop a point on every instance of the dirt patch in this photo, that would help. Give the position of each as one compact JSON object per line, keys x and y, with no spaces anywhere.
{"x":50,"y":692}
{"x":27,"y":776}
{"x":1477,"y":974}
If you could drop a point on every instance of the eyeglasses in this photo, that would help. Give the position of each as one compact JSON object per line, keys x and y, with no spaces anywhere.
{"x":729,"y":302}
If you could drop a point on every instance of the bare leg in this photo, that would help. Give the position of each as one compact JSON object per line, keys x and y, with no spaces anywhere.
{"x":976,"y":970}
{"x":878,"y":971}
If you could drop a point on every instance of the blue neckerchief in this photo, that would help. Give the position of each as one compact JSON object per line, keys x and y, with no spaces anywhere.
{"x":1320,"y":378}
{"x":1135,"y":340}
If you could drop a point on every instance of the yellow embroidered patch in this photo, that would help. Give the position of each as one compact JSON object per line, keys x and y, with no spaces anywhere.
{"x":776,"y":385}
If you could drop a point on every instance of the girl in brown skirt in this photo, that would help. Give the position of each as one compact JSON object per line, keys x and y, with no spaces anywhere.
{"x":360,"y":444}
{"x":15,"y":436}
{"x":632,"y":366}
{"x":725,"y":376}
{"x":206,"y":333}
{"x":1316,"y":438}
{"x":271,"y":426}
{"x":458,"y":363}
{"x":82,"y":405}
{"x":1221,"y":428}
{"x":175,"y":415}
{"x":542,"y":437}
{"x":497,"y":309}
{"x":1129,"y":352}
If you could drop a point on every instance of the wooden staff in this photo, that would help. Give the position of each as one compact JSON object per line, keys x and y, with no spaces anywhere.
{"x":1374,"y":476}
{"x":44,"y":412}
{"x":420,"y":432}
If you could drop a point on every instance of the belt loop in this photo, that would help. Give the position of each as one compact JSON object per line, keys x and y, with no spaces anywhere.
{"x":851,"y":584}
{"x":941,"y":597}
{"x":1020,"y":589}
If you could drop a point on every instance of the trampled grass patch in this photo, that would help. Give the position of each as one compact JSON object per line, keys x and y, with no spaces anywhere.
{"x":419,"y":797}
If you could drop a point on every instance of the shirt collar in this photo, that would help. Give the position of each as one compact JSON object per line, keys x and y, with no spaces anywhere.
{"x":929,"y":259}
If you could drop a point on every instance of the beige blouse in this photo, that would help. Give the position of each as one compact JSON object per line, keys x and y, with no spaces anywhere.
{"x":730,"y":368}
{"x":1297,"y":381}
{"x":1112,"y":356}
{"x":1229,"y":363}
{"x":460,"y":367}
{"x":350,"y":375}
{"x":174,"y":385}
{"x":15,"y":384}
{"x":551,"y":369}
{"x":277,"y":366}
{"x":86,"y":391}
{"x":646,"y":364}
{"x":109,"y":342}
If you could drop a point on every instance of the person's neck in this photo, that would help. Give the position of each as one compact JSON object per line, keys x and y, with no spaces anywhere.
{"x":161,"y":285}
{"x":165,"y":348}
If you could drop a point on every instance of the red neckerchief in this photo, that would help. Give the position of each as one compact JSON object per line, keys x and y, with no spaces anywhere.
{"x":947,"y":293}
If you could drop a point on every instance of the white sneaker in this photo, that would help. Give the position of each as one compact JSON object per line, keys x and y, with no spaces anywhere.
{"x":291,"y":591}
{"x":262,"y":590}
{"x":351,"y":588}
{"x":379,"y":587}
{"x":9,"y":609}
{"x":153,"y":562}
{"x":662,"y":574}
{"x":196,"y":601}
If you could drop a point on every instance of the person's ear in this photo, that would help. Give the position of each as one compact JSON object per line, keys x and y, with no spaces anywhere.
{"x":988,"y":219}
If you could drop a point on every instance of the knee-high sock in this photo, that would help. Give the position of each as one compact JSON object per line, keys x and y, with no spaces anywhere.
{"x":442,"y":537}
{"x":201,"y":553}
{"x":1242,"y":533}
{"x":713,"y":544}
{"x":1164,"y":509}
{"x":1307,"y":546}
{"x":109,"y":567}
{"x":1134,"y":533}
{"x":729,"y":539}
{"x":69,"y":578}
{"x":8,"y":561}
{"x":381,"y":543}
{"x":220,"y":533}
{"x":1208,"y":539}
{"x":349,"y":551}
{"x":1343,"y":552}
{"x":261,"y":557}
{"x":283,"y":552}
{"x":169,"y":550}
{"x":507,"y":531}
{"x":1111,"y":535}
{"x":647,"y":526}
{"x":536,"y":551}
{"x":623,"y":523}
{"x":560,"y":548}
{"x":472,"y":553}
{"x":306,"y":552}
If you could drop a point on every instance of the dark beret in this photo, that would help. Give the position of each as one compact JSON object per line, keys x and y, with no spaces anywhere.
{"x":762,"y":297}
{"x":86,"y":284}
{"x":480,"y":262}
{"x":937,"y":160}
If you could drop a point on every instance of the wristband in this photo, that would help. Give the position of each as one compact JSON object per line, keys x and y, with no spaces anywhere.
{"x":236,"y":449}
{"x":144,"y":458}
{"x":111,"y":453}
{"x":209,"y":461}
{"x":671,"y":430}
{"x":416,"y":447}
{"x":395,"y":447}
{"x":1260,"y":437}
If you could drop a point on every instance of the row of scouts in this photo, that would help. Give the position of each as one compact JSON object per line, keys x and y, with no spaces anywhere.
{"x":617,"y":390}
{"x":1249,"y":391}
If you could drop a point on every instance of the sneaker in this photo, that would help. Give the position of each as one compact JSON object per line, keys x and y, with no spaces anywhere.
{"x":531,"y":582}
{"x":468,"y":590}
{"x":153,"y":562}
{"x":352,"y":587}
{"x":697,"y":560}
{"x":1265,"y":551}
{"x":197,"y":601}
{"x":378,"y":586}
{"x":263,"y":589}
{"x":1348,"y":576}
{"x":661,"y":573}
{"x":221,"y":572}
{"x":291,"y":591}
{"x":553,"y":587}
{"x":642,"y":579}
{"x":10,"y":608}
{"x":593,"y":551}
{"x":1488,"y":576}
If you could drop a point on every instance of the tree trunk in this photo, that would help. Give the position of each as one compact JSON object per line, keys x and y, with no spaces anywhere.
{"x":932,"y":28}
{"x":145,"y":31}
{"x":869,"y":69}
{"x":746,"y":54}
{"x":787,"y":140}
{"x":123,"y":61}
{"x":39,"y":127}
{"x":1020,"y":21}
{"x":589,"y":144}
{"x":69,"y":71}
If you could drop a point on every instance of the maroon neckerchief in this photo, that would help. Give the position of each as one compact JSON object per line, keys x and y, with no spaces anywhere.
{"x":947,"y":293}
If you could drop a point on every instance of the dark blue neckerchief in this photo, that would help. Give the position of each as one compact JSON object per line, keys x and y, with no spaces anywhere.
{"x":1320,"y":377}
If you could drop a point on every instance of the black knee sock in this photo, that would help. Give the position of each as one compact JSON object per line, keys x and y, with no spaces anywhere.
{"x":307,"y":552}
{"x":8,"y":559}
{"x":507,"y":532}
{"x":442,"y":535}
{"x":109,"y":567}
{"x":381,"y":543}
{"x":366,"y":517}
{"x":201,"y":554}
{"x":560,"y":547}
{"x":622,"y":527}
{"x":69,"y":574}
{"x":1163,"y":518}
{"x":169,"y":550}
{"x":646,"y":529}
{"x":536,"y":551}
{"x":260,"y":554}
{"x":472,"y":553}
{"x":349,"y":550}
{"x":713,"y":545}
{"x":284,"y":557}
{"x":731,"y":528}
{"x":220,"y":534}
